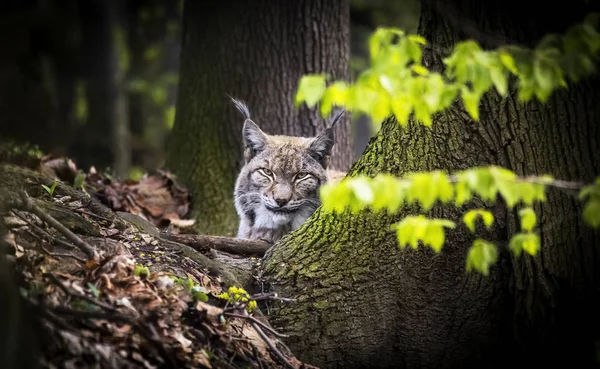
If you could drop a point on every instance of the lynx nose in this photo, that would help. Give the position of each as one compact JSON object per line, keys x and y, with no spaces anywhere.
{"x":281,"y":201}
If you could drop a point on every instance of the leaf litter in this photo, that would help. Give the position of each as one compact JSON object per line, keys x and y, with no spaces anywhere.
{"x":132,"y":308}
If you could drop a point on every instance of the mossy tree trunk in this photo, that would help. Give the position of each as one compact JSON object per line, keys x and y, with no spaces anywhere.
{"x":255,"y":51}
{"x":363,"y":302}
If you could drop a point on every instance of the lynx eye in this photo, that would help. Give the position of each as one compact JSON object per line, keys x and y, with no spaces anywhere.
{"x":302,"y":175}
{"x":266,"y":172}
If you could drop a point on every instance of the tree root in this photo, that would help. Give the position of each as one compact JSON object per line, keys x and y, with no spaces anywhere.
{"x":231,"y":245}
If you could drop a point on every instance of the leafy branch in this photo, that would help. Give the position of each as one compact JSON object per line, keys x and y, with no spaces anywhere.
{"x":398,"y":83}
{"x":386,"y":192}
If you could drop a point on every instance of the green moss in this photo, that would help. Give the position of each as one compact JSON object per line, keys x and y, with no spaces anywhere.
{"x":323,"y":304}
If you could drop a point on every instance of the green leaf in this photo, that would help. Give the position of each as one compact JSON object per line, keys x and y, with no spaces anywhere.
{"x":50,"y":189}
{"x":508,"y":61}
{"x":413,"y":229}
{"x":463,"y":193}
{"x":401,"y":107}
{"x":335,"y":94}
{"x":445,"y":190}
{"x":420,"y":70}
{"x":471,"y":216}
{"x":380,"y":110}
{"x":422,"y":189}
{"x":414,"y":51}
{"x":47,"y":189}
{"x":362,"y":190}
{"x":481,"y":256}
{"x":417,"y":39}
{"x":447,"y":96}
{"x":500,"y":80}
{"x":435,"y":237}
{"x":422,"y":114}
{"x":516,"y":244}
{"x":310,"y":89}
{"x":528,"y":219}
{"x":591,"y":213}
{"x":471,"y":102}
{"x":528,"y":242}
{"x":531,"y":243}
{"x":375,"y":42}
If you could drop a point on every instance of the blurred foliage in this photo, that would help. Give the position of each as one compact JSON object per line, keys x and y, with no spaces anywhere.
{"x":119,"y":35}
{"x":80,"y":103}
{"x":367,"y":15}
{"x":154,"y":42}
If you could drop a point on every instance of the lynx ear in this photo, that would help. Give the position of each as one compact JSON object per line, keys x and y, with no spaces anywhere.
{"x":254,"y":139}
{"x":320,"y":147}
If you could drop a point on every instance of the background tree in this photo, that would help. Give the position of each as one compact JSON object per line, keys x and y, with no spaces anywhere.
{"x":363,"y":302}
{"x":255,"y":51}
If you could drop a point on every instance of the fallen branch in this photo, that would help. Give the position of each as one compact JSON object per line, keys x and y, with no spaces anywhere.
{"x":231,"y":245}
{"x":58,"y":240}
{"x":274,"y":349}
{"x":27,"y":205}
{"x":261,"y":324}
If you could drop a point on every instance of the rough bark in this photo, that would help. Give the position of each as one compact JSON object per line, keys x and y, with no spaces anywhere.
{"x":363,"y":302}
{"x":256,"y":51}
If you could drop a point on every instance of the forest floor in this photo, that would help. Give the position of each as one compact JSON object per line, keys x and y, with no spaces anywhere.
{"x":104,"y":291}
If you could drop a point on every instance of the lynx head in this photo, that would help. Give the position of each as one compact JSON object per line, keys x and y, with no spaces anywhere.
{"x":277,"y":188}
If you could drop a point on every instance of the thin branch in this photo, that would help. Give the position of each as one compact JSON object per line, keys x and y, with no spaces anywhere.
{"x":253,"y":319}
{"x":270,"y":296}
{"x":30,"y":246}
{"x":274,"y":349}
{"x":42,"y":230}
{"x":58,"y":255}
{"x":79,"y":210}
{"x":62,"y":286}
{"x":558,"y":183}
{"x":28,"y":205}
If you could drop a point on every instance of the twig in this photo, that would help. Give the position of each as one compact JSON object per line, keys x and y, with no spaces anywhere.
{"x":252,"y":319}
{"x":39,"y":229}
{"x":28,"y":245}
{"x":226,"y":244}
{"x":118,"y":318}
{"x":62,"y":286}
{"x":277,"y":353}
{"x":558,"y":183}
{"x":270,"y":296}
{"x":58,"y":254}
{"x":79,"y":210}
{"x":28,"y":205}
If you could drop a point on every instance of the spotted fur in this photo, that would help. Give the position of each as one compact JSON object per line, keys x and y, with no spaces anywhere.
{"x":277,"y":188}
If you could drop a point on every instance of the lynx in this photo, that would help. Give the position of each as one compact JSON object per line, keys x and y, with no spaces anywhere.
{"x":277,"y":189}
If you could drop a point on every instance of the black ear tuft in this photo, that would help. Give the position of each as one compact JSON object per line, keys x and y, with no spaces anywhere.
{"x":241,"y":106}
{"x":320,"y":147}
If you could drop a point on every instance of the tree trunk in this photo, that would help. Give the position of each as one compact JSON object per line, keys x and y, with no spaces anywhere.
{"x":104,"y":138}
{"x":255,"y":51}
{"x":363,"y":302}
